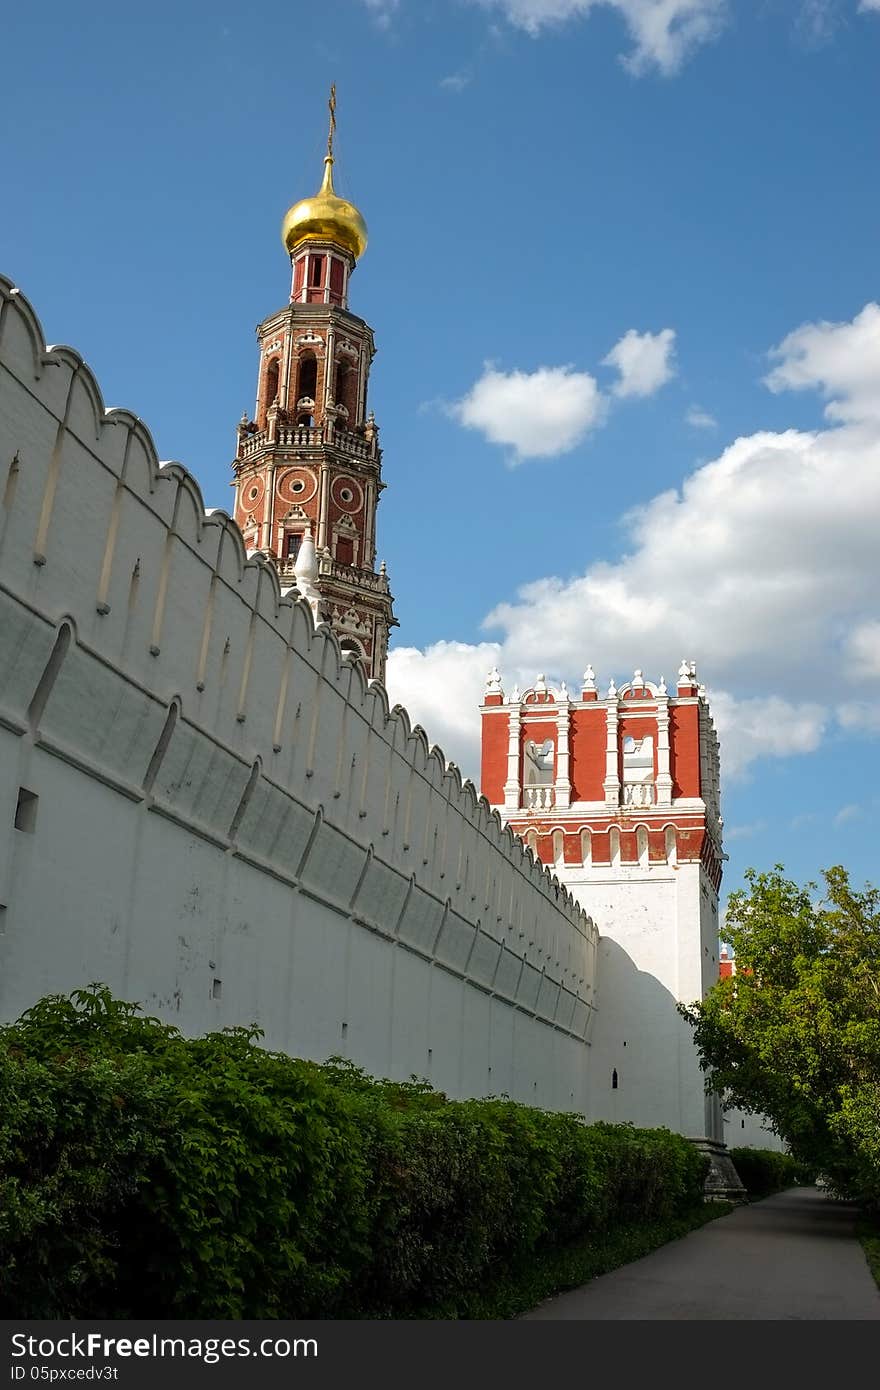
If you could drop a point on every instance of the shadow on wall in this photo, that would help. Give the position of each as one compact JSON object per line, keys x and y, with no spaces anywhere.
{"x":643,"y":1064}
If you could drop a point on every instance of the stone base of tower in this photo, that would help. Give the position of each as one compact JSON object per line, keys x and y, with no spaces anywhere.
{"x":723,"y":1182}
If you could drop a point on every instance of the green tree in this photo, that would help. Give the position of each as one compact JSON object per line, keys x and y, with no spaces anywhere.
{"x":795,"y":1033}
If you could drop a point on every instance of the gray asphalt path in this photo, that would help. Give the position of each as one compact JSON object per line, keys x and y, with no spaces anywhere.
{"x":792,"y":1256}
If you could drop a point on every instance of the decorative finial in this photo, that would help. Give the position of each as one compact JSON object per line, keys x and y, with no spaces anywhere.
{"x":540,"y":686}
{"x":493,"y":682}
{"x":701,"y":691}
{"x":514,"y":695}
{"x":332,"y":131}
{"x":661,"y":688}
{"x":589,"y":679}
{"x":684,"y":672}
{"x":612,"y":689}
{"x":638,"y":679}
{"x":563,"y":691}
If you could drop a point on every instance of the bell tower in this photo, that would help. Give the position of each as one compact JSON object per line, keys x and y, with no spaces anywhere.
{"x":308,"y":467}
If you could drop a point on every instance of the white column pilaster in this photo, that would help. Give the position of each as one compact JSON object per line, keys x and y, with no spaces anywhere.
{"x":664,"y":776}
{"x":563,"y":783}
{"x":512,"y":790}
{"x":612,"y":779}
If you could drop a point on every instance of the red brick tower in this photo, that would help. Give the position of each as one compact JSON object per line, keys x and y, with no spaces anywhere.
{"x":308,"y":467}
{"x":620,"y":794}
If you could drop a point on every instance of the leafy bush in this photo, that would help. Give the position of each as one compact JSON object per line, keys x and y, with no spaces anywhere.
{"x":765,"y":1170}
{"x":144,"y":1174}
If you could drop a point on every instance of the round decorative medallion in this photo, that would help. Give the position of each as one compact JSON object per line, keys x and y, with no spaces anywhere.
{"x":347,"y":494}
{"x":298,"y":485}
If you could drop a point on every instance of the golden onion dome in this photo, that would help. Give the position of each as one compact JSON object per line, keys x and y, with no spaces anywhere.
{"x":325,"y":217}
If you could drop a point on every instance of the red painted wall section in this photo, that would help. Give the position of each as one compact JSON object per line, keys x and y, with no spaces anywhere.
{"x":690,"y":844}
{"x":684,"y":750}
{"x":656,"y":846}
{"x":572,"y":849}
{"x":601,"y":847}
{"x":493,"y":773}
{"x":629,"y":853}
{"x":587,"y":754}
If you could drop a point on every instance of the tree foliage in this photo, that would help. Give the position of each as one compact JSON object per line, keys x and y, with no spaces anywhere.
{"x":145,"y":1174}
{"x":795,"y":1032}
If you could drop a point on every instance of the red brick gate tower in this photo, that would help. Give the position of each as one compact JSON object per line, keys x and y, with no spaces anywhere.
{"x":308,"y":467}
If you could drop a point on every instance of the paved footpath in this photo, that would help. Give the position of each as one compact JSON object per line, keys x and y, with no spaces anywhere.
{"x":792,"y":1256}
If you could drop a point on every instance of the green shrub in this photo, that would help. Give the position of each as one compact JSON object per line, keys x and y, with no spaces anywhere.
{"x":144,"y":1174}
{"x":763,"y":1171}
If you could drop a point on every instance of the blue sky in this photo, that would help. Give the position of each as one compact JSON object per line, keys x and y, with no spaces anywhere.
{"x":621,"y":267}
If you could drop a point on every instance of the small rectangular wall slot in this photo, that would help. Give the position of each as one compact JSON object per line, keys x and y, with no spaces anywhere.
{"x":26,"y":811}
{"x":2,"y":919}
{"x":345,"y":1030}
{"x":217,"y":989}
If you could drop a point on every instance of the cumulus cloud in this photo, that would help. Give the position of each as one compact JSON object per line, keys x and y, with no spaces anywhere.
{"x":762,"y":564}
{"x":841,"y":359}
{"x":765,"y":727}
{"x":664,"y":33}
{"x":644,"y":362}
{"x":859,"y":716}
{"x":700,"y":419}
{"x":534,"y":414}
{"x":863,"y":650}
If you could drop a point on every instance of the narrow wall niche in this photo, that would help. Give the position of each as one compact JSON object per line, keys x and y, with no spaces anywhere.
{"x":26,"y":811}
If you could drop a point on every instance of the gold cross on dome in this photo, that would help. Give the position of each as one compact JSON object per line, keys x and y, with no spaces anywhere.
{"x":332,"y":106}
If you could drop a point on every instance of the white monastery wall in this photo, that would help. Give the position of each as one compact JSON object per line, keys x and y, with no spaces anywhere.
{"x":204,"y":805}
{"x":656,"y":925}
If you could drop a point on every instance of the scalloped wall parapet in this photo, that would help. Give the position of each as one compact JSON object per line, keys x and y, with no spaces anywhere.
{"x":188,"y":683}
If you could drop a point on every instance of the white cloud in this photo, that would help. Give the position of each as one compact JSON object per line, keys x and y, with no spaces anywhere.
{"x":859,"y":716}
{"x":840,"y":359}
{"x":744,"y":832}
{"x":869,"y":6}
{"x":644,"y":362}
{"x":863,"y":650}
{"x":700,"y":419}
{"x":440,"y":688}
{"x":764,"y":727}
{"x":383,"y":11}
{"x":535,"y":414}
{"x":762,"y":564}
{"x":848,"y":813}
{"x":664,"y":32}
{"x":455,"y":82}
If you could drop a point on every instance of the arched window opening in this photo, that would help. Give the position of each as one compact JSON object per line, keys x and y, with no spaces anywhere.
{"x":308,"y":377}
{"x":558,"y":847}
{"x":532,"y":842}
{"x":642,"y":845}
{"x":316,"y":271}
{"x":345,"y":390}
{"x":614,"y":1080}
{"x":349,"y":645}
{"x":337,"y":280}
{"x":272,"y":374}
{"x":292,"y":543}
{"x":671,"y":845}
{"x":586,"y":847}
{"x":614,"y":846}
{"x":344,"y":550}
{"x":307,"y":421}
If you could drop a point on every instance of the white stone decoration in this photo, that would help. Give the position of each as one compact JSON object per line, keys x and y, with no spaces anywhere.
{"x":589,"y":679}
{"x":493,"y":682}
